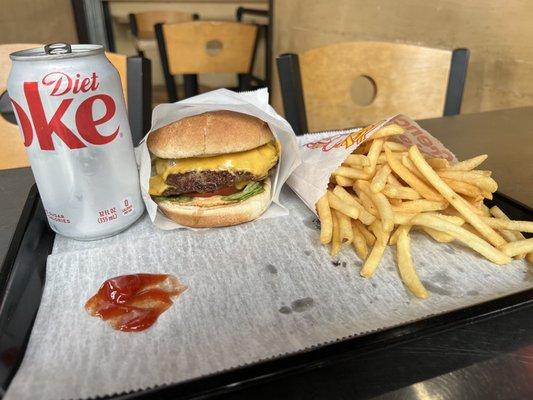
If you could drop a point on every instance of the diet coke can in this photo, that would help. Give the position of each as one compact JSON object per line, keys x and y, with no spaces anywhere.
{"x":70,"y":108}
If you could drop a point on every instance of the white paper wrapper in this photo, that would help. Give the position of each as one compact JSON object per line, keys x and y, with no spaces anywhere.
{"x":323,"y":152}
{"x":256,"y":291}
{"x":253,"y":103}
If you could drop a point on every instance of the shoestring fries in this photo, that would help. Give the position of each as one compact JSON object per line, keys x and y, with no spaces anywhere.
{"x":384,"y":190}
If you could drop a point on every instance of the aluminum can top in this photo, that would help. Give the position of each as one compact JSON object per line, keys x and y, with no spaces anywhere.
{"x":56,"y":51}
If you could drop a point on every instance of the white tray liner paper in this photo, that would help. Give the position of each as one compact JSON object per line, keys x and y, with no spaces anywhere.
{"x":256,"y":291}
{"x":254,"y":103}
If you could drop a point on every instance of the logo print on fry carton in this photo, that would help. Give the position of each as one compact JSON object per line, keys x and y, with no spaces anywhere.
{"x":414,"y":135}
{"x":342,"y":140}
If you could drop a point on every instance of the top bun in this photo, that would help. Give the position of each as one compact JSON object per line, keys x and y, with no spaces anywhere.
{"x":209,"y":134}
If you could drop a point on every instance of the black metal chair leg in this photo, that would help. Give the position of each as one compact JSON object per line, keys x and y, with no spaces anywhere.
{"x":456,"y":81}
{"x":139,"y":97}
{"x":190,"y":83}
{"x":291,"y":91}
{"x":169,"y":79}
{"x":245,"y":82}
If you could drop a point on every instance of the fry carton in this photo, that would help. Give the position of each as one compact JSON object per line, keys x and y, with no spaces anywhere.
{"x":322,"y":153}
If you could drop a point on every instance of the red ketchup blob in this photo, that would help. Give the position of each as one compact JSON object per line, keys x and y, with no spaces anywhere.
{"x":132,"y":303}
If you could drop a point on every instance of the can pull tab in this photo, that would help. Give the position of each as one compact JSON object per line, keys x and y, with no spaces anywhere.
{"x":57,"y":48}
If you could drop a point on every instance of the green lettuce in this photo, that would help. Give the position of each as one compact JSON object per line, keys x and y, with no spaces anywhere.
{"x":250,"y":190}
{"x":173,"y":199}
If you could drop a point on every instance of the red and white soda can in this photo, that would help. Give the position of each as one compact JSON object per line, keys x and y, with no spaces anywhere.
{"x":70,"y":108}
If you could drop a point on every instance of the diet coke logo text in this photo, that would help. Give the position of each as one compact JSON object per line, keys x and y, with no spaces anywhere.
{"x":62,"y":84}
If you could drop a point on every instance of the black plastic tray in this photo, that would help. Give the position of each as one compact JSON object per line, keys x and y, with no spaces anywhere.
{"x":22,"y":277}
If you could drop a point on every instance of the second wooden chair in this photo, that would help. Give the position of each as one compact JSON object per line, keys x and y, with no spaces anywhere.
{"x":193,"y":48}
{"x":136,"y":78}
{"x":142,"y":26}
{"x":320,"y":86}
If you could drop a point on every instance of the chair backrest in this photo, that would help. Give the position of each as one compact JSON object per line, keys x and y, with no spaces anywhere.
{"x":192,"y":48}
{"x":207,"y":46}
{"x":319,"y":86}
{"x":120,"y":62}
{"x":12,"y":151}
{"x":135,"y":76}
{"x":142,"y":23}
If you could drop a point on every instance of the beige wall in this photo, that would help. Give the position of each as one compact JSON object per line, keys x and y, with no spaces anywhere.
{"x":37,"y":21}
{"x":498,"y":33}
{"x":208,"y":10}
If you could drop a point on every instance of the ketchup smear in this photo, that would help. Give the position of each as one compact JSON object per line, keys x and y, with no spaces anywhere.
{"x":132,"y":303}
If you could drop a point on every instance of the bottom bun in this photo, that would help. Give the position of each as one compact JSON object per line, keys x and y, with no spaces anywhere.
{"x":221,"y":215}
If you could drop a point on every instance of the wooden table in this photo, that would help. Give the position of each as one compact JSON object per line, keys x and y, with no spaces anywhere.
{"x":487,"y":359}
{"x":505,"y":135}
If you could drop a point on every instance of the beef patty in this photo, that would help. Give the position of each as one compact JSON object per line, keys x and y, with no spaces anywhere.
{"x":204,"y":181}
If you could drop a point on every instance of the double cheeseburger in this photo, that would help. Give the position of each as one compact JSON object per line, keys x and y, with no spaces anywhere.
{"x":212,"y":169}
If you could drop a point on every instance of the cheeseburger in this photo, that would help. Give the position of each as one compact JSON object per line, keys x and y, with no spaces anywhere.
{"x":212,"y":169}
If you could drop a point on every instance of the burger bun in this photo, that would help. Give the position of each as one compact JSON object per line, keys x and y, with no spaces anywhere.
{"x":210,"y":212}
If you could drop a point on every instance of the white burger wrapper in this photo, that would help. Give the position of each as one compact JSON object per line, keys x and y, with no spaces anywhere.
{"x":253,"y":103}
{"x":322,"y":153}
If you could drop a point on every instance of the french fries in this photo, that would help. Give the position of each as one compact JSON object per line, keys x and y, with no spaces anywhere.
{"x":393,"y":146}
{"x":400,"y":192}
{"x":342,"y":206}
{"x":343,"y":181}
{"x":420,"y":206}
{"x":369,"y":236}
{"x":461,"y":234}
{"x":405,"y":264}
{"x":463,"y":187}
{"x":468,"y":165}
{"x":456,"y":201}
{"x":326,"y":222}
{"x":357,"y":160}
{"x":438,"y":163}
{"x":380,"y":179}
{"x":351,"y":172}
{"x":394,"y":237}
{"x":345,"y":228}
{"x":384,"y":190}
{"x":479,"y":180}
{"x":364,"y":216}
{"x":521,"y":226}
{"x":438,"y":236}
{"x":373,"y":259}
{"x":412,"y":180}
{"x":511,"y":236}
{"x":335,"y":237}
{"x":373,"y":154}
{"x":518,"y":247}
{"x":359,"y":242}
{"x":389,"y":130}
{"x":384,"y":210}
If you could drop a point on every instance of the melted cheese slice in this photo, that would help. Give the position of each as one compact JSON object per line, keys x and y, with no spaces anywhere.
{"x":257,"y":161}
{"x":157,"y":186}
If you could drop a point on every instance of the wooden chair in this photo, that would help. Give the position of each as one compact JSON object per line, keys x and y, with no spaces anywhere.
{"x":192,"y":48}
{"x":264,"y":29}
{"x":136,"y":79}
{"x":12,"y":151}
{"x":134,"y":74}
{"x":318,"y":86}
{"x":142,"y":26}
